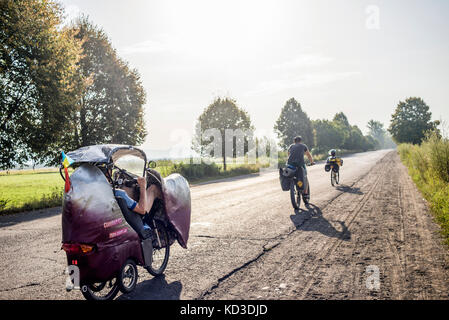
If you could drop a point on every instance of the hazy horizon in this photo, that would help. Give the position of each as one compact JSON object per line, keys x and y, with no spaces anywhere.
{"x":331,"y":56}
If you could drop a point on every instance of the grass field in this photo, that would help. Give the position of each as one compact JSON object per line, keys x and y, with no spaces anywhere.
{"x":25,"y":190}
{"x":30,"y":189}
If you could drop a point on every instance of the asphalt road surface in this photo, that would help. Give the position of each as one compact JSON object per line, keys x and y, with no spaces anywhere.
{"x":372,"y":237}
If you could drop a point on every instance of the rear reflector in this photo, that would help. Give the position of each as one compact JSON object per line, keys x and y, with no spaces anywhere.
{"x":76,"y":248}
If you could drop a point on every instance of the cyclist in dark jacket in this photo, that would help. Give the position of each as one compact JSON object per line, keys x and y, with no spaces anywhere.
{"x":296,"y":154}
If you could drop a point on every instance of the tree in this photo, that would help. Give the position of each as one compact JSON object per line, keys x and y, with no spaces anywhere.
{"x":221,"y":114}
{"x":370,"y":143}
{"x":377,"y":132}
{"x":354,"y":140}
{"x":411,"y":120}
{"x":264,"y":146}
{"x":293,"y":122}
{"x":110,"y":107}
{"x":327,"y":135}
{"x":37,"y":80}
{"x":380,"y":135}
{"x":341,"y":122}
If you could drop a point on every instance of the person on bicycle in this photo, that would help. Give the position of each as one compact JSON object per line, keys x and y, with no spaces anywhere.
{"x":138,"y":208}
{"x":296,"y":153}
{"x":333,"y":155}
{"x":146,"y":199}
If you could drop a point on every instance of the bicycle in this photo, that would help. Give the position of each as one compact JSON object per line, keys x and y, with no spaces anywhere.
{"x":299,"y":184}
{"x":333,"y":165}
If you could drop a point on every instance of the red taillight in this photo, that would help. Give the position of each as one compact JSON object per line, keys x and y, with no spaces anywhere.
{"x":77,"y":248}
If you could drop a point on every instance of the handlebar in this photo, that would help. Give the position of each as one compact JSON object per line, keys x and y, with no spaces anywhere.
{"x":130,"y":183}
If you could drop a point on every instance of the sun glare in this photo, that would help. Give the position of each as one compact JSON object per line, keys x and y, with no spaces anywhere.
{"x":219,"y":30}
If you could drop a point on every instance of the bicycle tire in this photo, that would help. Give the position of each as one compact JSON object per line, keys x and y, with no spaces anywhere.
{"x":294,"y":197}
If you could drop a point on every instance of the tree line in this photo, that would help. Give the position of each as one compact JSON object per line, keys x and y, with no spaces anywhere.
{"x":61,"y":87}
{"x":64,"y":86}
{"x":320,"y":135}
{"x":410,"y":123}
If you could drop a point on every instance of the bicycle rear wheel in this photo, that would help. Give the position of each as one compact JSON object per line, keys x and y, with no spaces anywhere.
{"x":161,"y":250}
{"x":333,"y":178}
{"x":100,"y":291}
{"x":295,"y":196}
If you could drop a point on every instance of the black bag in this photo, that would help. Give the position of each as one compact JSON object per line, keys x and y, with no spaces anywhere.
{"x":285,"y":182}
{"x":327,"y":167}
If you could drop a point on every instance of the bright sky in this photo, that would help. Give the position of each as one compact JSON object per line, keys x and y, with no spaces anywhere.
{"x":359,"y":57}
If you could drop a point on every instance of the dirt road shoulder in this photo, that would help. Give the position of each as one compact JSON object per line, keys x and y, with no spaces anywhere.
{"x":377,"y":240}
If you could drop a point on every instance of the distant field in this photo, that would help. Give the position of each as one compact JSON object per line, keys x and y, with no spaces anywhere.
{"x":25,"y":190}
{"x":30,"y":189}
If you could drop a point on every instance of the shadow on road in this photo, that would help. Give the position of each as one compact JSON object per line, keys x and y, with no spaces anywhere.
{"x":155,"y":289}
{"x":15,"y":218}
{"x":312,"y":220}
{"x":348,"y":189}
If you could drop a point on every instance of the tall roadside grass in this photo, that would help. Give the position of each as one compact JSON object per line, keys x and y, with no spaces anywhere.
{"x":208,"y":171}
{"x":428,"y":165}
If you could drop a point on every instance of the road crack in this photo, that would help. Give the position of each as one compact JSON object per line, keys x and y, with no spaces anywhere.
{"x":237,"y":238}
{"x":282,"y":237}
{"x":265,"y":249}
{"x":32,"y":284}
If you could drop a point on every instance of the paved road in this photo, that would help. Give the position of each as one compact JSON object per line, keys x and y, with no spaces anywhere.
{"x":236,"y":225}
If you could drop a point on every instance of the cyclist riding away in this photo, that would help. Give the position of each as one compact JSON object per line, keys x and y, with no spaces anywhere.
{"x":333,"y":158}
{"x":296,"y":154}
{"x":333,"y":163}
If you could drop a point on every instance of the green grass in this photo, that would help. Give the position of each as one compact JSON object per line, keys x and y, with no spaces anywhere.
{"x":25,"y":190}
{"x":428,"y":166}
{"x":205,"y":172}
{"x":30,"y":190}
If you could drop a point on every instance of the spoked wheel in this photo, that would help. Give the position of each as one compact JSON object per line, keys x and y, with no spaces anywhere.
{"x":333,"y":178}
{"x":161,"y":250}
{"x":101,"y":290}
{"x":295,"y":196}
{"x":337,"y":178}
{"x":127,"y":279}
